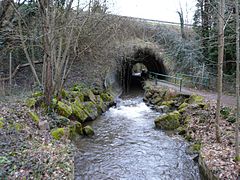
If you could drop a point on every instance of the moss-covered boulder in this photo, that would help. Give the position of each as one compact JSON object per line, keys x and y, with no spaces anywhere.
{"x":75,"y":128}
{"x":195,"y":99}
{"x":78,"y":112}
{"x":162,"y":109}
{"x":156,"y":100}
{"x":168,"y":121}
{"x":106,"y":97}
{"x":101,"y":106}
{"x":88,"y":131}
{"x":89,"y":96}
{"x":34,"y":117}
{"x":30,"y":102}
{"x":64,"y":109}
{"x":90,"y":109}
{"x":170,"y":103}
{"x":183,"y":105}
{"x":58,"y":133}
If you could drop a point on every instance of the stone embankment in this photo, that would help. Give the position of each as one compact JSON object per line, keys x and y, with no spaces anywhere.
{"x":193,"y":118}
{"x":34,"y":140}
{"x":75,"y":107}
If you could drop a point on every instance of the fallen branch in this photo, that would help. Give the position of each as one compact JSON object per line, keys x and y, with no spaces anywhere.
{"x":17,"y":68}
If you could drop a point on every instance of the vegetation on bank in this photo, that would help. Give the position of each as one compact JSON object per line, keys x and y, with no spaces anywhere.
{"x":35,"y":140}
{"x":193,"y":118}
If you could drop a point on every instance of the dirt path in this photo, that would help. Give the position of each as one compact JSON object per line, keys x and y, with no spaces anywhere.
{"x":210,"y":96}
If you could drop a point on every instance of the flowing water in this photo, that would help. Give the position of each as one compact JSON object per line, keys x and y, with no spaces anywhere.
{"x":127,"y":146}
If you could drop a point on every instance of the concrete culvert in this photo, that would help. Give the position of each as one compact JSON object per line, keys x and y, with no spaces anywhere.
{"x":137,"y":62}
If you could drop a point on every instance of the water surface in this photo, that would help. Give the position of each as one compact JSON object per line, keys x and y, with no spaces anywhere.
{"x":127,"y":146}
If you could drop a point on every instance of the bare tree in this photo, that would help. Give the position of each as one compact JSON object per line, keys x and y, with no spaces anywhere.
{"x":237,"y":80}
{"x":220,"y":64}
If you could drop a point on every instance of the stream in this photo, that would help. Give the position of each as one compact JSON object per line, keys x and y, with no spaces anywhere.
{"x":127,"y":146}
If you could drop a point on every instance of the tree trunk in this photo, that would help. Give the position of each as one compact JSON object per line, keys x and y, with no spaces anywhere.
{"x":237,"y":81}
{"x":220,"y":65}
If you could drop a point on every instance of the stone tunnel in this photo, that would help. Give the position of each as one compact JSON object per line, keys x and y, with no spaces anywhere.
{"x":149,"y":59}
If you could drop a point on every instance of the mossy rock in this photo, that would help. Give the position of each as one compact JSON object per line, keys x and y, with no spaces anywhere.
{"x":1,"y":122}
{"x":59,"y":121}
{"x":37,"y":94}
{"x":89,"y":96}
{"x":79,"y":113}
{"x":34,"y":117}
{"x":183,"y":105}
{"x":30,"y":102}
{"x":74,"y":129}
{"x":90,"y":109}
{"x":101,"y":106}
{"x":168,"y":121}
{"x":58,"y":133}
{"x":181,"y":130}
{"x":78,"y":87}
{"x":64,"y":94}
{"x":88,"y":131}
{"x":64,"y":109}
{"x":106,"y":97}
{"x":156,"y":100}
{"x":168,"y":103}
{"x":195,"y":99}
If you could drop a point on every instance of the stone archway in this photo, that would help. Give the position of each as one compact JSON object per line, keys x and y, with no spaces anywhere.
{"x":149,"y":57}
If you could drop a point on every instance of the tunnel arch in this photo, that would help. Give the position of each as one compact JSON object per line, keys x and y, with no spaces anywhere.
{"x":150,"y":56}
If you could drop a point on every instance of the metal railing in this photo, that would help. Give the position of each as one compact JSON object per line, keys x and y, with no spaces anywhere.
{"x":164,"y":77}
{"x":196,"y":80}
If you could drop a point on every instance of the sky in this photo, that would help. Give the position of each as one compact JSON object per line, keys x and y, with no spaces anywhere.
{"x":165,"y":10}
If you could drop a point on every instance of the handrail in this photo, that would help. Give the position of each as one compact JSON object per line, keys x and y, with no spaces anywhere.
{"x":168,"y":76}
{"x":201,"y":78}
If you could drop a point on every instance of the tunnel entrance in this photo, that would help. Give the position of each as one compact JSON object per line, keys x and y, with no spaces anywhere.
{"x":136,"y":67}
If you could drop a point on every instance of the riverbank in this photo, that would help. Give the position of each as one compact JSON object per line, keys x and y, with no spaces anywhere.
{"x":193,"y":118}
{"x":36,"y":144}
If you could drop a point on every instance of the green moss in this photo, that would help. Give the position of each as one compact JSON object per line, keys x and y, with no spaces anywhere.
{"x":37,"y":94}
{"x":181,"y":130}
{"x":188,"y":137}
{"x":88,"y":131}
{"x":237,"y":159}
{"x":65,"y":94}
{"x":168,"y":121}
{"x":183,"y":105}
{"x":78,"y":112}
{"x":79,"y":128}
{"x":58,"y":133}
{"x":106,"y":97}
{"x":168,"y":103}
{"x":195,"y":99}
{"x":90,"y":109}
{"x":231,"y":119}
{"x":89,"y":96}
{"x":196,"y":147}
{"x":34,"y":117}
{"x":225,"y":112}
{"x":1,"y":122}
{"x":101,"y":106}
{"x":30,"y":102}
{"x":64,"y":109}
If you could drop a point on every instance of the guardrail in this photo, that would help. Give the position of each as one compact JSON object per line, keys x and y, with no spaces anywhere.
{"x":200,"y":80}
{"x":157,"y":76}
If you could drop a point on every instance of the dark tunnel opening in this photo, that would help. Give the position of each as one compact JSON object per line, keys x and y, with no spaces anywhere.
{"x":136,"y":68}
